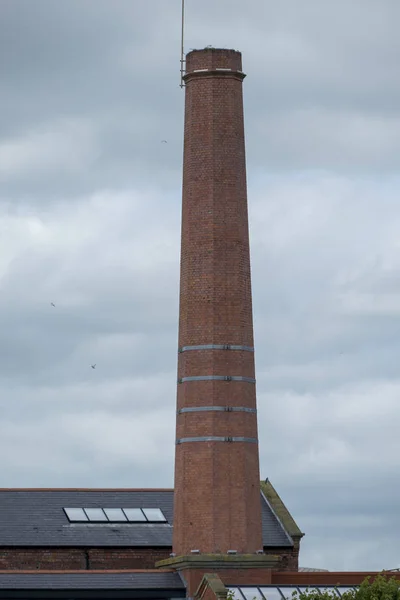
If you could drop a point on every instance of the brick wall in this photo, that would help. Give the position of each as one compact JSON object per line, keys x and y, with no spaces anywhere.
{"x":289,"y":558}
{"x":105,"y":558}
{"x":42,"y":558}
{"x":130,"y":558}
{"x":207,"y":594}
{"x":80,"y":558}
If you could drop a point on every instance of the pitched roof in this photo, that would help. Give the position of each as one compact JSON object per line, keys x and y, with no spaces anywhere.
{"x":150,"y":583}
{"x":35,"y":517}
{"x":280,"y":510}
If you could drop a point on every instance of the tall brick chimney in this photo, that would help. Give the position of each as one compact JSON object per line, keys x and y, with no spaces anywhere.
{"x":217,"y":483}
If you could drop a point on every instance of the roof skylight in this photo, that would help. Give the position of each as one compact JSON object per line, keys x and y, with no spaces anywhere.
{"x":95,"y":515}
{"x":134,"y":515}
{"x":115,"y":515}
{"x":252,"y":593}
{"x":75,"y":514}
{"x":281,"y":592}
{"x":154,"y":514}
{"x":272,"y":593}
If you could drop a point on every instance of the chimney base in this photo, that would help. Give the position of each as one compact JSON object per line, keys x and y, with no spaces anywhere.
{"x":238,"y":569}
{"x":220,"y":561}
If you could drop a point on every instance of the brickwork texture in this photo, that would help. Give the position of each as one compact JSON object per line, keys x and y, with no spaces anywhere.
{"x":104,"y":558}
{"x":217,"y":499}
{"x":80,"y":558}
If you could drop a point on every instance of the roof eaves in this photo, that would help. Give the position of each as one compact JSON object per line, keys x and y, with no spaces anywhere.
{"x":82,"y":571}
{"x":312,"y":570}
{"x":280,"y":511}
{"x":86,"y":490}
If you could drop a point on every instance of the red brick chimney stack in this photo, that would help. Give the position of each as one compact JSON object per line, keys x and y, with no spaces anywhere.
{"x":217,"y":482}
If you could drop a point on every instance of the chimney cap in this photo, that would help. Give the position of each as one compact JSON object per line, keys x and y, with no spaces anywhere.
{"x":212,"y":59}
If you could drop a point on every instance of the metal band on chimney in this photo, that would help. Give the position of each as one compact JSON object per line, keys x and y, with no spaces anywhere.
{"x":192,"y":409}
{"x":216,"y":347}
{"x":216,"y":378}
{"x":239,"y":75}
{"x":217,"y":439}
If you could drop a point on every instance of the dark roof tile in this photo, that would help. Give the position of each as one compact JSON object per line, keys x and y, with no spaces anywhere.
{"x":91,"y":580}
{"x":36,"y":518}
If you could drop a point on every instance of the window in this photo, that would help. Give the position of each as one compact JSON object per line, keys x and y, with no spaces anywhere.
{"x":251,"y":593}
{"x":75,"y":514}
{"x":271,"y":593}
{"x":115,"y":515}
{"x":134,"y":515}
{"x":95,"y":514}
{"x":154,"y":514}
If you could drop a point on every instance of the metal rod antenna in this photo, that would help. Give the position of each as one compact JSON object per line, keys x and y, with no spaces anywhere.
{"x":182,"y":48}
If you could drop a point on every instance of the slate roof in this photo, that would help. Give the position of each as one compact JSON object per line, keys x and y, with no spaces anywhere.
{"x":273,"y":531}
{"x":312,"y":570}
{"x":279,"y":509}
{"x":36,"y":518}
{"x":102,"y":580}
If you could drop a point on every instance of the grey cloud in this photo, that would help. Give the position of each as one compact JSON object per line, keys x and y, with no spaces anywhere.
{"x":124,"y":290}
{"x":308,"y":100}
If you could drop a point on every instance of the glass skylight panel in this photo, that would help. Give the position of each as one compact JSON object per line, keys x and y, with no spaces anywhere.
{"x":75,"y":514}
{"x":115,"y":514}
{"x":271,"y":593}
{"x":95,"y":514}
{"x":251,"y":593}
{"x":288,"y":591}
{"x":304,"y":588}
{"x":154,"y":514}
{"x":236,"y":593}
{"x":134,"y":515}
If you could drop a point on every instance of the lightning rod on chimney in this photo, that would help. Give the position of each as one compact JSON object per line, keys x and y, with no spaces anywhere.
{"x":182,"y":47}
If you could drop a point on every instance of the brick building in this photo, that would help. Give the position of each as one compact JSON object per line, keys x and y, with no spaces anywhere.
{"x":220,"y":527}
{"x":116,"y":529}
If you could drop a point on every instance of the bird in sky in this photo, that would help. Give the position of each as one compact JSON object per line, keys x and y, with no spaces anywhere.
{"x":93,"y":366}
{"x":164,"y":141}
{"x":52,"y":303}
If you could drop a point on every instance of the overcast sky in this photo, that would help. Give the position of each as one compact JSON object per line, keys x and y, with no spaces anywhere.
{"x":90,"y":220}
